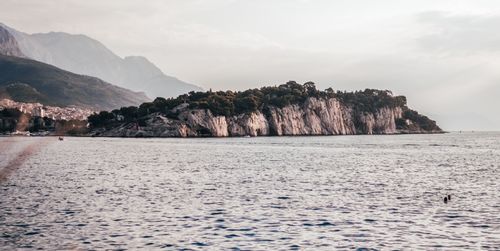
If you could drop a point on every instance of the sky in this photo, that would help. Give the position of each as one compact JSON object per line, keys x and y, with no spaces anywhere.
{"x":442,"y":54}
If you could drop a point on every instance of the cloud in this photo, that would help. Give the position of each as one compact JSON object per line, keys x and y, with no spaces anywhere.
{"x":459,"y":35}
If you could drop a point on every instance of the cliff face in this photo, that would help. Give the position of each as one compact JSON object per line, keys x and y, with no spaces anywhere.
{"x":8,"y":44}
{"x":316,"y":116}
{"x":382,"y":122}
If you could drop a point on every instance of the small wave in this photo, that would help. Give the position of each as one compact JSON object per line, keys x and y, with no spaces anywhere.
{"x":199,"y":244}
{"x":283,"y":198}
{"x":325,"y":224}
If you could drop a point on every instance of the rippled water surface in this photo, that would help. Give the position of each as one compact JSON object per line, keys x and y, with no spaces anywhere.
{"x":266,"y":193}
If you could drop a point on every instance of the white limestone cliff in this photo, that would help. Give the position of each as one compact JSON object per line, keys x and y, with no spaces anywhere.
{"x":313,"y":117}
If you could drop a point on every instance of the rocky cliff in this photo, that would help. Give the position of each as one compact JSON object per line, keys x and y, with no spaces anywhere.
{"x":8,"y":44}
{"x":315,"y":116}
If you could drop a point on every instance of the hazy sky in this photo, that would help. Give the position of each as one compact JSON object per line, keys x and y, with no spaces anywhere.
{"x":443,"y":55}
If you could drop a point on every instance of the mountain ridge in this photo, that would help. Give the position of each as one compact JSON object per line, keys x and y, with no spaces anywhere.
{"x":82,"y":54}
{"x":27,"y":80}
{"x":8,"y":44}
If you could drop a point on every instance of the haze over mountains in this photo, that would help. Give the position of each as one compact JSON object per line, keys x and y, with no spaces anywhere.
{"x":26,"y":80}
{"x":83,"y":55}
{"x":8,"y":44}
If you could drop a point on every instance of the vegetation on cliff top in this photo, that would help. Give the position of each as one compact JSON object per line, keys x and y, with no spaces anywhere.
{"x":230,"y":103}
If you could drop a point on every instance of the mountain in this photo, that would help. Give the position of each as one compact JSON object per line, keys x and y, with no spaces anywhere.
{"x":8,"y":44}
{"x":84,"y":55}
{"x":26,"y":80}
{"x":152,"y":80}
{"x":289,"y":109}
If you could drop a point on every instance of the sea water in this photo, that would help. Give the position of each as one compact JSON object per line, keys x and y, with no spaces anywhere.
{"x":263,"y":193}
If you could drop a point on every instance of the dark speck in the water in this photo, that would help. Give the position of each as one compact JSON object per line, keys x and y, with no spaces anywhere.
{"x":200,"y":244}
{"x":325,"y":224}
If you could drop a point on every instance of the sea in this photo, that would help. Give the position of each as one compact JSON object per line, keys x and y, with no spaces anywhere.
{"x":382,"y":192}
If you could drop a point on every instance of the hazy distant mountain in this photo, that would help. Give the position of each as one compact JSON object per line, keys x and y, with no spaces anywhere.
{"x":84,"y":55}
{"x":26,"y":80}
{"x":8,"y":44}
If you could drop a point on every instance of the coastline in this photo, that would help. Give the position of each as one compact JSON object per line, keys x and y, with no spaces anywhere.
{"x":195,"y":137}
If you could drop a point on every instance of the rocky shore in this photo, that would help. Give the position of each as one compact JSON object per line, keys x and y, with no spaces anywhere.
{"x":315,"y":116}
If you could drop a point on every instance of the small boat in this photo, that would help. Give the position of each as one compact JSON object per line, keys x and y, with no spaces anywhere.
{"x":247,"y":136}
{"x":61,"y":138}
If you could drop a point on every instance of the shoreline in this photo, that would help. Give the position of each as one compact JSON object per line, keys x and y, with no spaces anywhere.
{"x":219,"y":137}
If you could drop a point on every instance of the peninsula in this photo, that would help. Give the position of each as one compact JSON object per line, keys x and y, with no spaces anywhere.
{"x":285,"y":110}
